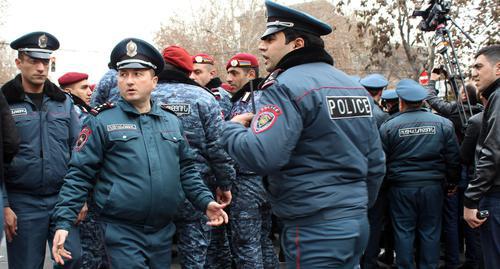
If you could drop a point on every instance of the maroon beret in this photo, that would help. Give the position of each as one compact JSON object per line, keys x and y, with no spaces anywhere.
{"x":203,"y":58}
{"x":178,"y":57}
{"x":242,"y":60}
{"x":71,"y":77}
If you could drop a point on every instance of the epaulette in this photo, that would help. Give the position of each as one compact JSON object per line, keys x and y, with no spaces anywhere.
{"x":271,"y":78}
{"x":100,"y":108}
{"x":216,"y":93}
{"x":165,"y":107}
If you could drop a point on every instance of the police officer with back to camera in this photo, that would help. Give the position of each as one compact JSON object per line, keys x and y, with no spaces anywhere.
{"x":48,"y":127}
{"x":422,"y":153}
{"x":375,"y":84}
{"x":201,"y":119}
{"x":316,"y":138}
{"x":145,"y":167}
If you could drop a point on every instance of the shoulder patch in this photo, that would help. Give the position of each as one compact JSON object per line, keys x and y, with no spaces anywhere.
{"x":83,"y":137}
{"x":100,"y":108}
{"x":266,"y":118}
{"x":271,"y":78}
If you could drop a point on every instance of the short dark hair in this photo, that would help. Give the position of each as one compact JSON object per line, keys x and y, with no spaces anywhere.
{"x":471,"y":94}
{"x":247,"y":69}
{"x":492,"y":53}
{"x":310,"y":40}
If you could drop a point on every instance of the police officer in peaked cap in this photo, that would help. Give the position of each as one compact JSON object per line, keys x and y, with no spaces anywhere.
{"x":145,"y":169}
{"x":422,"y":155}
{"x":375,"y":84}
{"x":48,"y":126}
{"x":314,"y":134}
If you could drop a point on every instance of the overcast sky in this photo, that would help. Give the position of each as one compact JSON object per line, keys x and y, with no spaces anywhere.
{"x":89,"y":29}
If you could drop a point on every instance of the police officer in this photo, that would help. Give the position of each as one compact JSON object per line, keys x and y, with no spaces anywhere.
{"x":250,"y":211}
{"x":205,"y":74}
{"x":422,"y":153}
{"x":390,"y":101}
{"x":144,"y":164}
{"x":316,"y":138}
{"x":201,"y":118}
{"x":375,"y":84}
{"x":76,"y":84}
{"x":106,"y":90}
{"x":48,"y":126}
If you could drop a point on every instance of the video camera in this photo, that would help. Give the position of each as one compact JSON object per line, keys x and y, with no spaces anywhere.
{"x":433,"y":15}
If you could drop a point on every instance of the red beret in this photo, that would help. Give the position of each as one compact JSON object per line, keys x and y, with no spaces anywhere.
{"x":242,"y":60}
{"x":178,"y":57}
{"x":203,"y":58}
{"x":71,"y":77}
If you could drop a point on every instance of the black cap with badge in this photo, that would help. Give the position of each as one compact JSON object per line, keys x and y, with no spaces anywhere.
{"x":134,"y":53}
{"x":281,"y":17}
{"x":38,"y":45}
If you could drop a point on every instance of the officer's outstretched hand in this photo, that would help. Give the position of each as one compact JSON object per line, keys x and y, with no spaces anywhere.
{"x":470,"y":216}
{"x":216,"y":214}
{"x":244,"y":119}
{"x":58,"y":251}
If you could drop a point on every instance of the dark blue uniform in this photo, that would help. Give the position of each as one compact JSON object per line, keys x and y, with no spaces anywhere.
{"x":422,"y":153}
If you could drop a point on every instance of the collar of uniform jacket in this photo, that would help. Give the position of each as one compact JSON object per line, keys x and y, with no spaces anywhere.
{"x":169,"y":75}
{"x":488,"y":91}
{"x":130,"y":109}
{"x":304,"y":55}
{"x":214,"y":83}
{"x":246,"y":88}
{"x":14,"y":92}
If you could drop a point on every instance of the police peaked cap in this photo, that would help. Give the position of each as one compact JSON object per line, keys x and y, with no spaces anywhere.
{"x":38,"y":45}
{"x":409,"y":90}
{"x":374,"y":81}
{"x":134,"y":53}
{"x":389,"y":94}
{"x":281,"y":17}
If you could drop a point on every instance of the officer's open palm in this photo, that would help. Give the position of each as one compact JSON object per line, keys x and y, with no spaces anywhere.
{"x":58,"y":251}
{"x":10,"y":223}
{"x":216,"y":214}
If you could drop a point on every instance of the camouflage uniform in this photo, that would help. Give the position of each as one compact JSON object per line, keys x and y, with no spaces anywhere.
{"x":106,"y":90}
{"x":221,"y":95}
{"x":250,"y":214}
{"x":201,"y":118}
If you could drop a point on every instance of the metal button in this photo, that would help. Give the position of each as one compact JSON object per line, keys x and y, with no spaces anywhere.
{"x":124,"y":136}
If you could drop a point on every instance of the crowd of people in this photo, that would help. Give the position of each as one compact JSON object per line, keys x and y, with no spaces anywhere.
{"x":162,"y":151}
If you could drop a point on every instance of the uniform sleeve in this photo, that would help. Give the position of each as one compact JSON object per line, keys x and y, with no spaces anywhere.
{"x":452,"y":155}
{"x":10,"y":136}
{"x":83,"y":167}
{"x":441,"y":106}
{"x":192,"y":184}
{"x":488,"y":159}
{"x":376,"y":168}
{"x":75,"y":127}
{"x":220,"y":162}
{"x":267,"y":145}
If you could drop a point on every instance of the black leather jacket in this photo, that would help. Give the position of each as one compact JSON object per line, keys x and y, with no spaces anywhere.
{"x":487,"y":179}
{"x":468,"y":147}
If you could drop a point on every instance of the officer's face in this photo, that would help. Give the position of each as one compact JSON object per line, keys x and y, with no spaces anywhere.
{"x":81,"y":90}
{"x":202,"y":73}
{"x":484,"y":73}
{"x":136,"y":85}
{"x":33,"y":71}
{"x":273,"y":49}
{"x":237,"y":77}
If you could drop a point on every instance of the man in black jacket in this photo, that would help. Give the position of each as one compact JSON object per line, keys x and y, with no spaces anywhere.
{"x":483,"y":192}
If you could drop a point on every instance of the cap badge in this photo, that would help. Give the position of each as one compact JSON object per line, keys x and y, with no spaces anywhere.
{"x":131,"y":49}
{"x":198,"y":59}
{"x":234,"y":63}
{"x":42,"y":41}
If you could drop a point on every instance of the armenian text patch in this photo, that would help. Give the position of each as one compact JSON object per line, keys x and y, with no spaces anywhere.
{"x":180,"y":109}
{"x":120,"y":127}
{"x":266,"y":118}
{"x":414,"y":131}
{"x":341,"y":107}
{"x":83,"y":137}
{"x":18,"y":111}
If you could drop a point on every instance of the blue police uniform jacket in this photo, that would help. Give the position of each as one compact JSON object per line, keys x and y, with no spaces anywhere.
{"x":145,"y":168}
{"x":315,"y":137}
{"x":106,"y":90}
{"x":47,"y":136}
{"x":201,"y":119}
{"x":421,"y":149}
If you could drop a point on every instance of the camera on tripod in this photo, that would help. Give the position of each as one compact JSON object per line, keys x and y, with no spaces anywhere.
{"x":433,"y":15}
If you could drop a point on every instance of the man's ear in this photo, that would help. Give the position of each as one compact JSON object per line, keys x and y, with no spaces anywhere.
{"x":66,"y":90}
{"x":497,"y":69}
{"x":298,"y":43}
